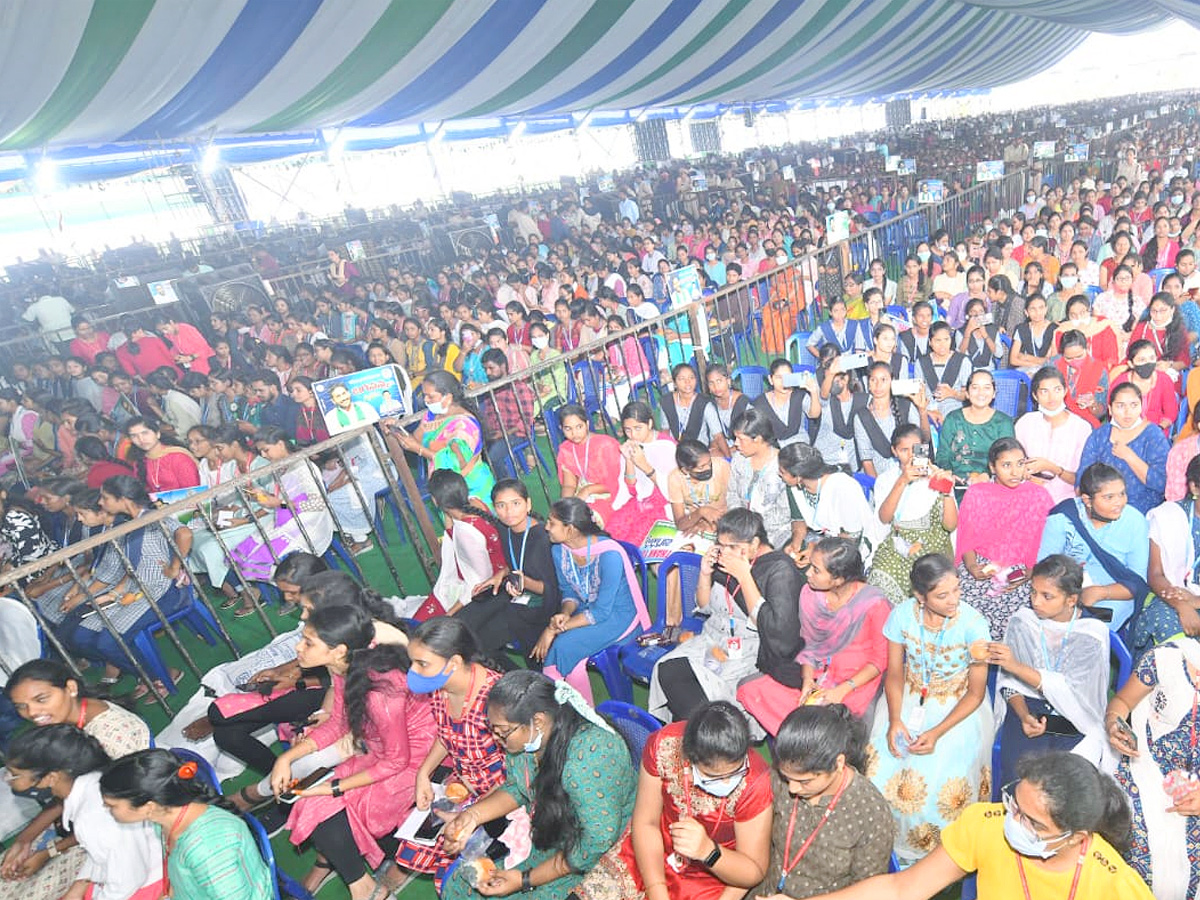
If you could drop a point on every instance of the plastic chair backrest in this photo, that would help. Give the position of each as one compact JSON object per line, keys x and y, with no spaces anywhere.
{"x":866,"y":482}
{"x":688,"y":566}
{"x":1158,"y":275}
{"x":634,"y":552}
{"x":205,"y":772}
{"x":898,"y":312}
{"x":635,"y":725}
{"x":263,"y":840}
{"x":1124,"y":659}
{"x":553,"y":426}
{"x":801,"y":368}
{"x":1009,"y":387}
{"x":751,"y":379}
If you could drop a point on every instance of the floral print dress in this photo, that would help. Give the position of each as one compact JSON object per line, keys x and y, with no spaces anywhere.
{"x":928,"y":792}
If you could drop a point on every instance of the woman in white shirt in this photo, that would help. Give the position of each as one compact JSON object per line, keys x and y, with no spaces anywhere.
{"x":113,"y":861}
{"x":1052,"y":435}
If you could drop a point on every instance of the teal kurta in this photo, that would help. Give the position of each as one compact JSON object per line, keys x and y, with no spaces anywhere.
{"x":963,"y":447}
{"x":216,"y":858}
{"x":601,"y":782}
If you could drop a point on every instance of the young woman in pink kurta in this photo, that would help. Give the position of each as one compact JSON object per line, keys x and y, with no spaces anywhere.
{"x":589,"y":465}
{"x":845,"y":653}
{"x":372,"y":791}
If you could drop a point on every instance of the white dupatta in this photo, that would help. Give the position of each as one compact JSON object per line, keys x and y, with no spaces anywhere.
{"x":1161,"y":711}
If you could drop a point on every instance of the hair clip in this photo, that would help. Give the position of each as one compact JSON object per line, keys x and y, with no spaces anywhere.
{"x":188,"y":770}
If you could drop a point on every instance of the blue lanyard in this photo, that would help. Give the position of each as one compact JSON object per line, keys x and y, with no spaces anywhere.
{"x":519,"y":564}
{"x":1062,"y":650}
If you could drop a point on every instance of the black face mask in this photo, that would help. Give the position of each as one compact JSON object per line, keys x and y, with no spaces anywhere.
{"x":1144,"y":370}
{"x":702,"y":476}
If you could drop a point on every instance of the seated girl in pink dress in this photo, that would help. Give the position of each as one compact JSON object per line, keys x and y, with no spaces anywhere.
{"x":845,"y":653}
{"x":393,"y":728}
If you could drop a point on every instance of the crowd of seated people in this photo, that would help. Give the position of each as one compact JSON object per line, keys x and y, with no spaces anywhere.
{"x":879,"y":540}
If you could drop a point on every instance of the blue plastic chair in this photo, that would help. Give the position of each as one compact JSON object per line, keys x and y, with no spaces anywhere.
{"x":553,"y":427}
{"x":638,"y":662}
{"x":1181,"y":420}
{"x":899,"y":313}
{"x":866,"y":482}
{"x":187,"y":611}
{"x":587,"y":387}
{"x":751,"y":378}
{"x":516,"y":457}
{"x":279,"y":879}
{"x":1093,"y":291}
{"x":634,"y":724}
{"x":339,"y":557}
{"x":1013,"y":390}
{"x":801,"y":368}
{"x":804,"y":356}
{"x":608,"y":661}
{"x":1158,"y":275}
{"x":206,"y":773}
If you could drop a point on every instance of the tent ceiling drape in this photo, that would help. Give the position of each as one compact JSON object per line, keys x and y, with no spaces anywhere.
{"x":144,"y":72}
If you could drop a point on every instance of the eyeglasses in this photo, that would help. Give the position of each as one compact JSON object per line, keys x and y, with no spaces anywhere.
{"x":717,"y":779}
{"x":503,"y":735}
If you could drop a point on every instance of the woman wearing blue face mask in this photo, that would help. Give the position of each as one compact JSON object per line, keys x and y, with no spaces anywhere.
{"x":701,"y":794}
{"x":446,"y":665}
{"x":568,"y":768}
{"x":1058,"y":834}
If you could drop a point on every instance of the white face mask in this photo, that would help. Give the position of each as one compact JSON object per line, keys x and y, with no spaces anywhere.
{"x":438,"y":408}
{"x":1051,"y":413}
{"x":1069,"y":281}
{"x":541,"y":341}
{"x":1177,"y":199}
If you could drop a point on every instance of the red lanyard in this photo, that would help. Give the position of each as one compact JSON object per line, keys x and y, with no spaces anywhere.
{"x":1074,"y":881}
{"x":83,"y":718}
{"x":166,"y":879}
{"x":786,"y":865}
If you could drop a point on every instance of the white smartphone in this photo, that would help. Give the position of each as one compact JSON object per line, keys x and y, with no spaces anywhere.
{"x":906,"y":387}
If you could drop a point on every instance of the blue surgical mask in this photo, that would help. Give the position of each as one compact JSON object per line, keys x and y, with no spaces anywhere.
{"x":427,"y":684}
{"x":534,"y":745}
{"x":1022,"y":840}
{"x":718,"y":787}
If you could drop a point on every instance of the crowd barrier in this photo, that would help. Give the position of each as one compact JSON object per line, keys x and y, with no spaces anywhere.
{"x":600,"y":376}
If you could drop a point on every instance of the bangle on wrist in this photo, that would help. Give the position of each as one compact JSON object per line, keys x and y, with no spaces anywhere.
{"x":335,"y":787}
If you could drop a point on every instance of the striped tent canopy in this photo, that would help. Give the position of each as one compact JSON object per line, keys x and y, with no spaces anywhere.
{"x":139,"y":73}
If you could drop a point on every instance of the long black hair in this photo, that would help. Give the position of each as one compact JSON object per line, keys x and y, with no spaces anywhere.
{"x":520,"y":695}
{"x":449,"y":491}
{"x":336,"y":588}
{"x":56,"y":748}
{"x":353,"y":627}
{"x":811,"y":739}
{"x":154,"y":776}
{"x":449,"y":636}
{"x":575,"y":512}
{"x":1078,"y":796}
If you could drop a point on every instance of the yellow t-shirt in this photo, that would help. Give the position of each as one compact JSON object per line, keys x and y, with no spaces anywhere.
{"x":975,"y":841}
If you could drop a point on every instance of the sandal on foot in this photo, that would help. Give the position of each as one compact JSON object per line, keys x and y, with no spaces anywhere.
{"x":244,"y":611}
{"x":329,"y":874}
{"x":230,"y":602}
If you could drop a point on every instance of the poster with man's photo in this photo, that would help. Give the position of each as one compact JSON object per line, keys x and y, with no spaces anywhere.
{"x":361,"y":398}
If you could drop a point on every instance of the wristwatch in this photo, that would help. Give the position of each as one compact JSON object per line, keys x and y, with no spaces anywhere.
{"x":335,"y":787}
{"x":526,"y":882}
{"x":711,"y":860}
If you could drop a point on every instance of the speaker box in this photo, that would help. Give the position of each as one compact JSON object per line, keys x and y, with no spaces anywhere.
{"x":650,"y":138}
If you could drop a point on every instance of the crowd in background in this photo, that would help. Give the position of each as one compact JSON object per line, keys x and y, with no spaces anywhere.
{"x":897,"y":575}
